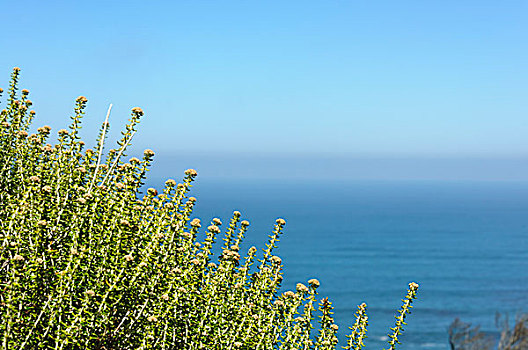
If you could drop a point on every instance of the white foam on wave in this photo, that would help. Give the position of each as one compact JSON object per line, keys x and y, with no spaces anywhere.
{"x":433,"y":345}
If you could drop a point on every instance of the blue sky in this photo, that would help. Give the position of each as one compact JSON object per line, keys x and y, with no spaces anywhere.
{"x":288,"y":79}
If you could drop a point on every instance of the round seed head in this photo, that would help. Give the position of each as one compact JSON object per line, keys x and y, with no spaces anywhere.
{"x":281,"y":222}
{"x":213,"y":229}
{"x":314,"y":283}
{"x":277,"y":260}
{"x":18,"y":257}
{"x":217,"y":221}
{"x":191,"y":172}
{"x":170,"y":182}
{"x":289,"y":294}
{"x":137,"y":111}
{"x":148,"y":153}
{"x":301,"y":288}
{"x":152,"y":191}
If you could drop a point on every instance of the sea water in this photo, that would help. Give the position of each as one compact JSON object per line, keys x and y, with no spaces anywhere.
{"x":465,"y":243}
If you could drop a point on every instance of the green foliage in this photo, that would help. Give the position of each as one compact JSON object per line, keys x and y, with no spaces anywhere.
{"x":88,"y":262}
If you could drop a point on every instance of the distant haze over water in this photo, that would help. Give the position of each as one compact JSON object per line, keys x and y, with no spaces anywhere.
{"x":289,"y":166}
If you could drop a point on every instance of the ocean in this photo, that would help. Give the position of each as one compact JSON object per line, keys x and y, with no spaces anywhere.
{"x":465,"y":243}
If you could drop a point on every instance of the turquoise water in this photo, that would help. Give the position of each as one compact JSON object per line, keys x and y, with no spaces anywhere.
{"x":465,"y":243}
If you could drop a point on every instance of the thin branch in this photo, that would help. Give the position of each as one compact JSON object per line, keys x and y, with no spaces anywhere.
{"x":105,"y":125}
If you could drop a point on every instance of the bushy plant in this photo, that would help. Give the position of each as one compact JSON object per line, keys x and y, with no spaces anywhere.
{"x":88,"y":262}
{"x":462,"y":336}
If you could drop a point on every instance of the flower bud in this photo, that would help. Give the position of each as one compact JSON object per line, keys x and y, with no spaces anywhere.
{"x":152,"y":191}
{"x":137,"y":111}
{"x":191,"y":172}
{"x":148,"y":153}
{"x":170,"y":183}
{"x":281,"y":222}
{"x":18,"y":257}
{"x":196,"y":223}
{"x":213,"y":229}
{"x":314,"y":283}
{"x":301,"y":288}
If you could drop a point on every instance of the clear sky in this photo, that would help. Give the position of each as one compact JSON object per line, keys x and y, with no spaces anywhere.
{"x":298,"y":79}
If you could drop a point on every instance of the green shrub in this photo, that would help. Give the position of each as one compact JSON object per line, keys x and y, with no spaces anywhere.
{"x":87,"y":262}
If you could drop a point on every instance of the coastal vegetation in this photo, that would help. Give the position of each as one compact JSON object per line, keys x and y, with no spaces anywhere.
{"x":462,"y":336}
{"x":89,"y":259}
